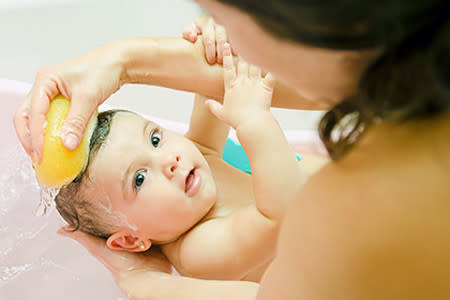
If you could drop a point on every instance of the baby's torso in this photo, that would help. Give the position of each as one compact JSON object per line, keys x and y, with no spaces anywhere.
{"x":234,"y":188}
{"x":234,"y":192}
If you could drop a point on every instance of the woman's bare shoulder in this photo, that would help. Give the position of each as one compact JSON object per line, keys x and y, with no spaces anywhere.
{"x":377,"y":222}
{"x":394,"y":175}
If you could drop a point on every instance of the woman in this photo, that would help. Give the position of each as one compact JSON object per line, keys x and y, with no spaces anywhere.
{"x":375,"y":223}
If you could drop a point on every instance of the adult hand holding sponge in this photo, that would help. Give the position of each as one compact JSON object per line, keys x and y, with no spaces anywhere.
{"x":60,"y":166}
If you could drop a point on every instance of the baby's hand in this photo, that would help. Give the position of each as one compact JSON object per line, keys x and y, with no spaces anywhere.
{"x":248,"y":94}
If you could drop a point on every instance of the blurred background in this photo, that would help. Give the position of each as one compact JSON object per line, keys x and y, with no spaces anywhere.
{"x":36,"y":33}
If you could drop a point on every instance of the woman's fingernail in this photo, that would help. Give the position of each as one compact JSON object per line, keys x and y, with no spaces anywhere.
{"x":35,"y":156}
{"x":70,"y":140}
{"x":195,"y":27}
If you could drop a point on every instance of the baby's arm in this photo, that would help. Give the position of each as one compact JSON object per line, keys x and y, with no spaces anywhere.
{"x":232,"y":246}
{"x":205,"y":130}
{"x":276,"y":175}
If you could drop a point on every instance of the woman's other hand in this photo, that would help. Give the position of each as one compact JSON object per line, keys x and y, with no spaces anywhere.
{"x":126,"y":267}
{"x":214,"y":37}
{"x":87,"y":80}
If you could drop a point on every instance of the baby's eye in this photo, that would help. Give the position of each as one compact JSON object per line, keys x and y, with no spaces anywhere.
{"x":139,"y":179}
{"x":155,"y":138}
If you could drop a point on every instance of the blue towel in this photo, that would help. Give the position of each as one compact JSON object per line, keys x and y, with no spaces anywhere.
{"x":234,"y":154}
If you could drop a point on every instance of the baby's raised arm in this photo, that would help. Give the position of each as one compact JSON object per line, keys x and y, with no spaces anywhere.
{"x":208,"y":132}
{"x":276,"y":175}
{"x":231,"y":247}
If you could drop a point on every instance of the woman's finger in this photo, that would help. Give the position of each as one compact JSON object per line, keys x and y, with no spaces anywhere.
{"x":81,"y":110}
{"x":22,"y":126}
{"x":221,"y":39}
{"x":209,"y":41}
{"x":40,"y":102}
{"x":97,"y":247}
{"x":119,"y":261}
{"x":191,"y":32}
{"x":229,"y":70}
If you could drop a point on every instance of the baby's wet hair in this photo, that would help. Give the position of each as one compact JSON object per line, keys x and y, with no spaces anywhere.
{"x":74,"y":204}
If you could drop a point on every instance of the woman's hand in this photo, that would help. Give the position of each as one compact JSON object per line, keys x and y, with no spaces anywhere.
{"x":214,"y":37}
{"x":147,"y":275}
{"x":87,"y":80}
{"x":247,"y":92}
{"x":128,"y":269}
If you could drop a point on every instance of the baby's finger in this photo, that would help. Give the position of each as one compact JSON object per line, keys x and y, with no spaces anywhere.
{"x":215,"y":108}
{"x":242,"y":68}
{"x":229,"y":70}
{"x":209,"y":41}
{"x":254,"y":71}
{"x":221,"y":39}
{"x":269,"y":81}
{"x":22,"y":126}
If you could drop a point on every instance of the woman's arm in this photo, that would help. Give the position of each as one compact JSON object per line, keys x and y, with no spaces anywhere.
{"x":89,"y":79}
{"x":179,"y":64}
{"x":141,"y":284}
{"x":147,"y":275}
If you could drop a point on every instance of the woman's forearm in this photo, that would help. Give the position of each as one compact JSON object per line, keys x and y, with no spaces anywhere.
{"x":161,"y":286}
{"x":179,"y":64}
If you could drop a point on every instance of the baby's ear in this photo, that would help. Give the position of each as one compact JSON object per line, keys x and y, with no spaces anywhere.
{"x":126,"y":241}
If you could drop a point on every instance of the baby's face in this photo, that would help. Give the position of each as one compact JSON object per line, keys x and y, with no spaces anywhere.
{"x":156,"y":178}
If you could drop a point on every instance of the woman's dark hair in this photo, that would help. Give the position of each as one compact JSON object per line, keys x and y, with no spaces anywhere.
{"x":410,"y":79}
{"x":73,"y":204}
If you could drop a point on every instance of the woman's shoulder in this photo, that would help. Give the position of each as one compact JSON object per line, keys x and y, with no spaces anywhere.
{"x":405,"y":164}
{"x":382,"y":213}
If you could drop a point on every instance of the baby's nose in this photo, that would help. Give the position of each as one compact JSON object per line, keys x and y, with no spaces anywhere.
{"x":170,"y":165}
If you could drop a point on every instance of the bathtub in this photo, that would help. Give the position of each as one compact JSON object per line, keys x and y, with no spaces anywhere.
{"x":35,"y":262}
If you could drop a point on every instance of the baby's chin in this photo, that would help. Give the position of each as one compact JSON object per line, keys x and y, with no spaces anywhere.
{"x":210,"y":197}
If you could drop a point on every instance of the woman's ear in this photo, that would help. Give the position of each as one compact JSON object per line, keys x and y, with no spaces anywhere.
{"x":126,"y":241}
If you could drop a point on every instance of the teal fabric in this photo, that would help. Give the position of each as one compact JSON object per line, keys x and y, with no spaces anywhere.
{"x":234,"y":154}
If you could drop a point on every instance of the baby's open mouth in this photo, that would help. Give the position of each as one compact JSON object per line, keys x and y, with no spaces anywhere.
{"x":189,"y":180}
{"x":192,"y":182}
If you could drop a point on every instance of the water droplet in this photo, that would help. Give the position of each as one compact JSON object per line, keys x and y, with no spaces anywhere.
{"x":48,"y":195}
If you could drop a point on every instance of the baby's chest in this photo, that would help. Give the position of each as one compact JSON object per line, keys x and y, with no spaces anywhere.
{"x":234,"y":187}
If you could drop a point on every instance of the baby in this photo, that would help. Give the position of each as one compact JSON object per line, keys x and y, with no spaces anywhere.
{"x":146,"y":186}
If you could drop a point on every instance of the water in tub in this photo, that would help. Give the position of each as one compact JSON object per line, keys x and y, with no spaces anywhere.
{"x":35,"y":262}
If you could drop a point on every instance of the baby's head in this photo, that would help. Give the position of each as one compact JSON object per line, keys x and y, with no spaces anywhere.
{"x":143,"y":184}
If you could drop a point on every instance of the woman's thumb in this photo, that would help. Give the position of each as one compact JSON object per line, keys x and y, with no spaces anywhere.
{"x":76,"y":121}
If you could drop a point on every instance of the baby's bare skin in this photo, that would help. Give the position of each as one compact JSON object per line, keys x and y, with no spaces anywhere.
{"x":234,"y":192}
{"x":227,"y":227}
{"x":237,"y":237}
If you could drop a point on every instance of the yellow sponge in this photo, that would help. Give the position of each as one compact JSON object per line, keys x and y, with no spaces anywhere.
{"x":59,"y":166}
